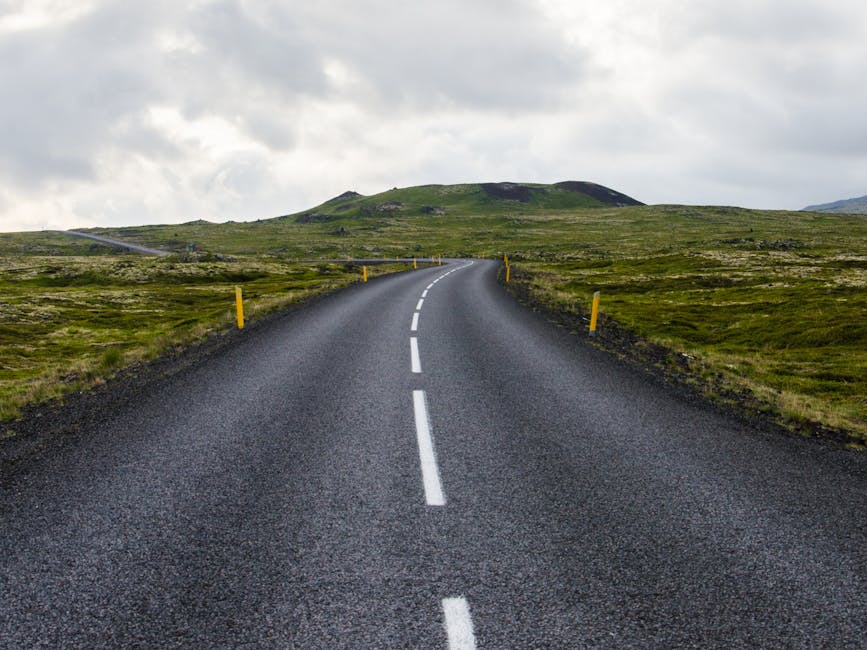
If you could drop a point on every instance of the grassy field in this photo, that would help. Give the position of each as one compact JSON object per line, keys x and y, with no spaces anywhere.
{"x":768,"y":304}
{"x":68,"y":322}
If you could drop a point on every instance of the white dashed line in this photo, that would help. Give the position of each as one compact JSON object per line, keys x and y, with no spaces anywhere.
{"x":433,"y":490}
{"x":459,"y":624}
{"x":413,"y":351}
{"x":414,"y":326}
{"x":424,"y":293}
{"x":420,"y":303}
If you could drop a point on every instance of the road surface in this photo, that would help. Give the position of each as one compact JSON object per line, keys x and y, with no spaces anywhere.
{"x":421,"y":462}
{"x":116,"y":242}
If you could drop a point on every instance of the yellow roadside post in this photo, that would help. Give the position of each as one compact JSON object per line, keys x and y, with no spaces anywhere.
{"x":508,"y":273}
{"x":239,"y":307}
{"x":505,"y":259}
{"x":594,"y":314}
{"x":364,"y":273}
{"x":440,"y":262}
{"x":414,"y":265}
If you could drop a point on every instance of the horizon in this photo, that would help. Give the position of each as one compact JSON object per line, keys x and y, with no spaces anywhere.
{"x":322,"y":202}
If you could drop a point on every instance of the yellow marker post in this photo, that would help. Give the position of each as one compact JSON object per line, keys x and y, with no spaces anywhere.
{"x":239,"y":306}
{"x":594,"y":314}
{"x":414,"y":265}
{"x":508,"y":273}
{"x":364,"y":273}
{"x":440,"y":262}
{"x":505,"y":259}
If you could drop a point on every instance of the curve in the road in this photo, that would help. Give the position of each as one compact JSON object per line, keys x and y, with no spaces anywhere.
{"x":279,"y":494}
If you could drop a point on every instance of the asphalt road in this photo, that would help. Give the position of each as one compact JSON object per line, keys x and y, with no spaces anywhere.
{"x":116,"y":242}
{"x":321,"y":485}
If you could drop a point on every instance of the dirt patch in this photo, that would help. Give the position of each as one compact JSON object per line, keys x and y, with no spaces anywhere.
{"x":508,"y":191}
{"x":598,"y":192}
{"x":673,"y":368}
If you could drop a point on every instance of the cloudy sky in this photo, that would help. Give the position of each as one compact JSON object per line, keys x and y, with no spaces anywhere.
{"x":117,"y":112}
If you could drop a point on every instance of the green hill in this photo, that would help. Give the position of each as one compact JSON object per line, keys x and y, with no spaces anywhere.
{"x":428,"y":219}
{"x":478,"y":198}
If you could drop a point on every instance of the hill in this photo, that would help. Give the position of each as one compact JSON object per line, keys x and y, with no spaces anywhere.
{"x":475,"y":198}
{"x":846,"y":206}
{"x":395,"y":223}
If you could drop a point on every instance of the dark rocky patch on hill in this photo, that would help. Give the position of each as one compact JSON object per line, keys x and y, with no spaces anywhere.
{"x":313,"y":217}
{"x":598,"y":192}
{"x":346,"y":195}
{"x":508,"y":191}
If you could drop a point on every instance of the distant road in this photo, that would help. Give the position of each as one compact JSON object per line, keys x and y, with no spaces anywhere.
{"x":154,"y":251}
{"x":116,"y":242}
{"x":420,"y":461}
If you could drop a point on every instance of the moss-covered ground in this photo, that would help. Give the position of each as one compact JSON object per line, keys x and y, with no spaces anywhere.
{"x":770,"y":303}
{"x":67,"y":323}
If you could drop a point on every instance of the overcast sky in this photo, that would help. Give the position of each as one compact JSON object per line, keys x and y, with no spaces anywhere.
{"x":156,"y":111}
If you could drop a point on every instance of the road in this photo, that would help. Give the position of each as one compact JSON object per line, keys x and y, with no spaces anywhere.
{"x":116,"y":242}
{"x":498,"y":483}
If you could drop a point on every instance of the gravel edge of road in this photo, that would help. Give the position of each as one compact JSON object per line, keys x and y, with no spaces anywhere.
{"x":668,"y":367}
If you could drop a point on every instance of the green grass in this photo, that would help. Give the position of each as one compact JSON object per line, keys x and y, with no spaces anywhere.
{"x":770,"y":303}
{"x":68,"y":323}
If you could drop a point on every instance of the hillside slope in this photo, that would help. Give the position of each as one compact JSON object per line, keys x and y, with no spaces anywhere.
{"x":847,"y":206}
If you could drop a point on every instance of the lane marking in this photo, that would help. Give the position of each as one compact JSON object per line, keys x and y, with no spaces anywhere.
{"x":420,"y":303}
{"x":414,"y":326}
{"x":459,"y":624}
{"x":430,"y":286}
{"x":413,"y":352}
{"x":424,"y":293}
{"x":430,"y":475}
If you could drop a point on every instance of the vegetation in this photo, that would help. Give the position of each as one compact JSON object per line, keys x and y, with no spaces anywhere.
{"x":69,"y":322}
{"x":767,"y":305}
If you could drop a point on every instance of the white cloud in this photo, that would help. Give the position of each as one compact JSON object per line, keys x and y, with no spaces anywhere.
{"x":164,"y":112}
{"x":29,"y":15}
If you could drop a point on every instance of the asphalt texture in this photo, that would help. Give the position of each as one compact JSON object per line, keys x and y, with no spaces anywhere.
{"x":271,"y":495}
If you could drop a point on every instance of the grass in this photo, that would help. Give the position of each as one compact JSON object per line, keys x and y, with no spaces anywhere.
{"x":769,"y":304}
{"x":69,"y":323}
{"x":794,"y":339}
